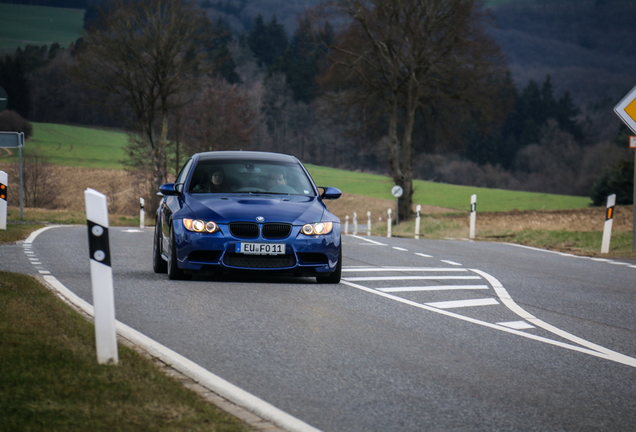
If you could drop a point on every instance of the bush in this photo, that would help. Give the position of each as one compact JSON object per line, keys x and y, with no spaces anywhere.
{"x":11,"y":121}
{"x":618,"y":180}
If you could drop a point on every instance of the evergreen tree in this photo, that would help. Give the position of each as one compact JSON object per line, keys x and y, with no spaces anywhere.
{"x":268,"y":42}
{"x":618,"y":180}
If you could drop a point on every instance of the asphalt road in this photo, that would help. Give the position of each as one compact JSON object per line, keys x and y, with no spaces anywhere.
{"x":421,"y":335}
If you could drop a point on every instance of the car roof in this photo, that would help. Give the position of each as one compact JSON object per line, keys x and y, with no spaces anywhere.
{"x":246,"y":155}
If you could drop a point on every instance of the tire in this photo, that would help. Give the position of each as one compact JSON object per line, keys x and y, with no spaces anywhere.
{"x":335,"y":276}
{"x":159,"y":265}
{"x":174,"y":272}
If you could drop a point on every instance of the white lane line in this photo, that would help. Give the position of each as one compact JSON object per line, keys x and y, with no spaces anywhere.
{"x":519,"y":325}
{"x":434,"y":288}
{"x":403,"y":269}
{"x":34,"y":234}
{"x":510,"y":304}
{"x":423,"y":255}
{"x":463,"y":303}
{"x":450,"y":262}
{"x":473,"y":320}
{"x":605,"y":260}
{"x":187,"y":367}
{"x":383,"y":278}
{"x":368,"y":240}
{"x":620,"y":358}
{"x":400,"y":249}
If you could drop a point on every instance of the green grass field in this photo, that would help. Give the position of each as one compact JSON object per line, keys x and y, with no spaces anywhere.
{"x":95,"y":148}
{"x":22,"y":25}
{"x":444,"y":195}
{"x":75,"y":146}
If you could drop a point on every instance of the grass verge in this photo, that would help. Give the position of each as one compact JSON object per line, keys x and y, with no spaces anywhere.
{"x":585,"y":243}
{"x":51,"y":379}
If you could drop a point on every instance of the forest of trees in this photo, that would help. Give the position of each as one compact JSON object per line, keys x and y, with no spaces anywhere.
{"x":267,"y":92}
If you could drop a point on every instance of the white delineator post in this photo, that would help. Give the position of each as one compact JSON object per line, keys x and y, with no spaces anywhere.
{"x":101,"y":277}
{"x":388,"y":226}
{"x":355,"y":223}
{"x":368,"y":223}
{"x":142,"y":213}
{"x":609,"y":217}
{"x":347,"y":225}
{"x":473,"y":215}
{"x":417,"y":222}
{"x":4,"y":186}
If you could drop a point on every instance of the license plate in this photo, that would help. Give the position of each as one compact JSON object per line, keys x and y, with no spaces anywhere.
{"x":261,"y":248}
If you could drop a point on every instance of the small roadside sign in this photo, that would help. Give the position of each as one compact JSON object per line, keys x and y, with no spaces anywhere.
{"x":626,"y":109}
{"x":11,"y":139}
{"x":3,"y":99}
{"x":397,"y":191}
{"x":632,"y":142}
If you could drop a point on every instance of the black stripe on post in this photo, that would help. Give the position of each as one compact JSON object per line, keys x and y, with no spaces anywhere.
{"x":473,"y":207}
{"x":610,"y":213}
{"x":3,"y":191}
{"x":98,"y":243}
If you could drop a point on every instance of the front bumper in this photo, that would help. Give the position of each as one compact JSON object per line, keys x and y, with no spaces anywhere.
{"x":304,"y":255}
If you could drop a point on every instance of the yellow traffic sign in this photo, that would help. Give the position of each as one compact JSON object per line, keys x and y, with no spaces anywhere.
{"x":626,"y":109}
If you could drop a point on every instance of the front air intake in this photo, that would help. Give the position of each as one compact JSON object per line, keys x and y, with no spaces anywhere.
{"x":245,"y":230}
{"x":276,"y":231}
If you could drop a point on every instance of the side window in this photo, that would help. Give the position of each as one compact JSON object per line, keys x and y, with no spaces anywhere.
{"x":183,"y":175}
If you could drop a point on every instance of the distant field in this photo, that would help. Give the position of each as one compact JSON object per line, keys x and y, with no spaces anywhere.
{"x":74,"y":146}
{"x":445,"y":195}
{"x":94,"y":148}
{"x":22,"y":25}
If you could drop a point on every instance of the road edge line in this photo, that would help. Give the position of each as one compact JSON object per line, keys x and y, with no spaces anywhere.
{"x":180,"y":363}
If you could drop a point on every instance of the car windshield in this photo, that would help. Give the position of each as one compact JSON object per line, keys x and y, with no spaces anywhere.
{"x":244,"y":176}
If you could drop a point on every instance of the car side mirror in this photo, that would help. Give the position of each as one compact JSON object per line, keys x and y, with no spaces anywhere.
{"x":330,"y":193}
{"x":168,"y":189}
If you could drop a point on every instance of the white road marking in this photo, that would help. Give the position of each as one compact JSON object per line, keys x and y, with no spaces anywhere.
{"x":382,"y":278}
{"x":434,"y":288}
{"x":463,"y":303}
{"x":607,"y":354}
{"x":450,"y":262}
{"x":510,"y":304}
{"x":400,"y":249}
{"x":402,"y":269}
{"x":204,"y":377}
{"x":423,"y":255}
{"x":519,"y":325}
{"x":368,"y":240}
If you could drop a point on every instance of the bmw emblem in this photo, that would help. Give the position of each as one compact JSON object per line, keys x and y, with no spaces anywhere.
{"x":260,"y":219}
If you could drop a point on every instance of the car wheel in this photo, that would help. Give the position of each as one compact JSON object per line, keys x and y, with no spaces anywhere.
{"x":159,"y":265}
{"x":174,"y":272}
{"x":333,"y":277}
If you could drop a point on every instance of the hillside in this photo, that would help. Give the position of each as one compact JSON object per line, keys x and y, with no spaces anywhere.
{"x":586,"y":46}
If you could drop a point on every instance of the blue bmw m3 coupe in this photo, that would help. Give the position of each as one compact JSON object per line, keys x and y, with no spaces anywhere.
{"x":246,"y":211}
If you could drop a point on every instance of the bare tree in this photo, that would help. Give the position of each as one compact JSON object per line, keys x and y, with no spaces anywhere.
{"x":220,"y":118}
{"x":401,"y":58}
{"x":146,"y":53}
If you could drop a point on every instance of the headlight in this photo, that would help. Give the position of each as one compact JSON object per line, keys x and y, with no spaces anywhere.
{"x":197,"y":225}
{"x":317,"y":228}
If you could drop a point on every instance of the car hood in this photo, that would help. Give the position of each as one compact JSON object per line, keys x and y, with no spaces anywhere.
{"x":292,"y":209}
